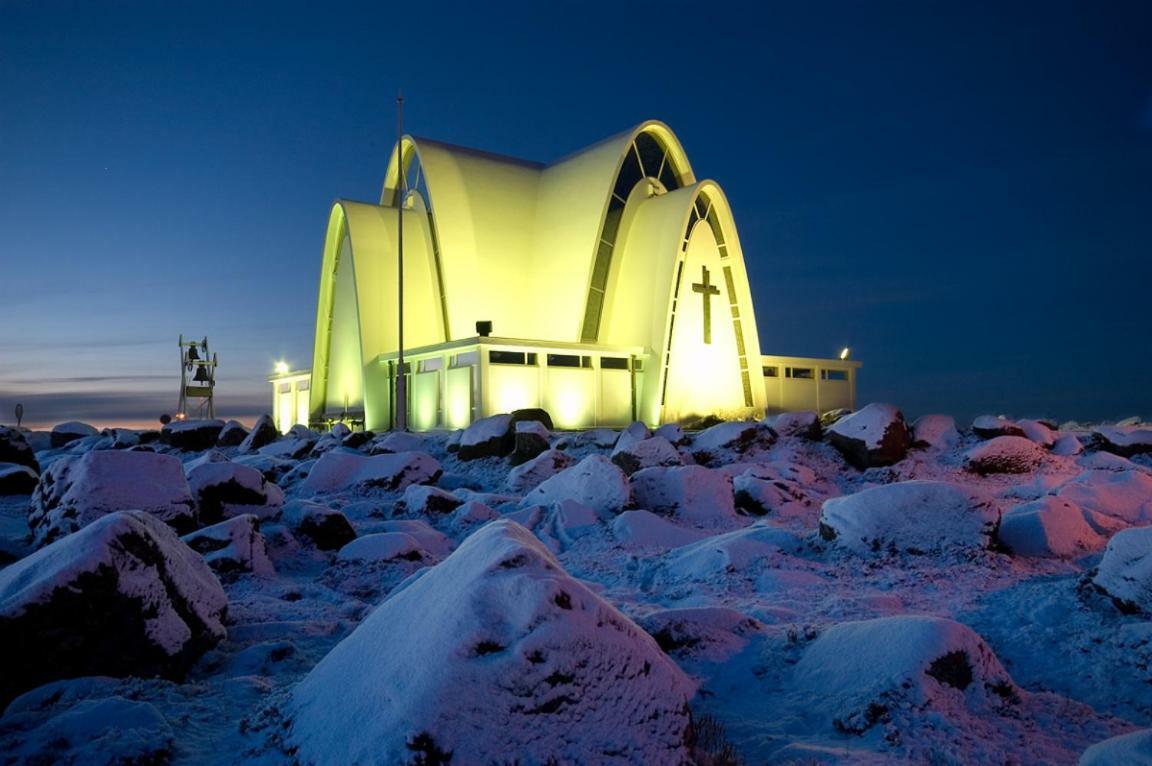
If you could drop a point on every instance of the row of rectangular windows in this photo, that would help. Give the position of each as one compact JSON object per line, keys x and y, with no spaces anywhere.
{"x":527,"y":358}
{"x":805,"y":373}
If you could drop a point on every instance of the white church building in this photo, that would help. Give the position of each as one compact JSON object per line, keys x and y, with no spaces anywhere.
{"x":606,"y":287}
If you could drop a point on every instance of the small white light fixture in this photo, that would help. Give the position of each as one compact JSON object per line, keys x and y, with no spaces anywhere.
{"x":844,"y":352}
{"x":281,"y":368}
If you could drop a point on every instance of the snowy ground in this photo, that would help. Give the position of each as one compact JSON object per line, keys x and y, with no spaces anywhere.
{"x":737,"y":601}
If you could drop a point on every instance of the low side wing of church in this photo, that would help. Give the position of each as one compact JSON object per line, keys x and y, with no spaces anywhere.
{"x":606,"y":287}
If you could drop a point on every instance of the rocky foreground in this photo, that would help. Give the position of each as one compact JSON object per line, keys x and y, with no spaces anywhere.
{"x":852,"y":590}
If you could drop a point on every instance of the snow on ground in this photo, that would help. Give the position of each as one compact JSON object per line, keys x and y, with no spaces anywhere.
{"x":953,"y":611}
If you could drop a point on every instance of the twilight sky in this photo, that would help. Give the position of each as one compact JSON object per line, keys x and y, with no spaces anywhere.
{"x":961,"y":192}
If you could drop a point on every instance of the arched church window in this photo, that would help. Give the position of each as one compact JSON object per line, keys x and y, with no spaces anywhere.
{"x":646,"y":157}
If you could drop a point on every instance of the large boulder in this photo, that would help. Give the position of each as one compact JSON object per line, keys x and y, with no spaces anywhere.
{"x":527,"y":476}
{"x":1004,"y":454}
{"x":77,"y":490}
{"x":652,"y":452}
{"x":1124,"y":441}
{"x":731,"y":437}
{"x":232,"y":434}
{"x":912,"y":516}
{"x":530,"y":439}
{"x":644,"y":529}
{"x":874,"y":436}
{"x":1125,"y":572}
{"x":263,"y":433}
{"x":935,"y":432}
{"x":534,"y":665}
{"x":1113,"y":498}
{"x":17,"y":479}
{"x":487,"y":437}
{"x":327,"y":528}
{"x":804,"y":424}
{"x":123,"y":596}
{"x":856,"y":673}
{"x":426,"y":500}
{"x":692,"y":494}
{"x":233,"y":546}
{"x":14,"y":448}
{"x":192,"y":435}
{"x":1048,"y":527}
{"x":595,"y":482}
{"x":341,"y":471}
{"x":223,"y":488}
{"x":64,"y":434}
{"x":991,"y":426}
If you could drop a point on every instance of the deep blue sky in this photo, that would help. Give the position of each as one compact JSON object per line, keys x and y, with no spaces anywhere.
{"x":962,"y":192}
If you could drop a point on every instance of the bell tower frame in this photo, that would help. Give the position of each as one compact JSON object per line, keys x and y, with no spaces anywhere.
{"x":197,"y":380}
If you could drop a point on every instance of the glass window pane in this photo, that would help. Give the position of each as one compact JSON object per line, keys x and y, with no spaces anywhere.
{"x":630,"y":174}
{"x":651,"y":153}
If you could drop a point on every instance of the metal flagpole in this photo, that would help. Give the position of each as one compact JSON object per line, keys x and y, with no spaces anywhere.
{"x":401,"y":183}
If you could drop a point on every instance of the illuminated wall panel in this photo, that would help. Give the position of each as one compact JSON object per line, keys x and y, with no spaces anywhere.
{"x":570,"y":396}
{"x":425,"y":412}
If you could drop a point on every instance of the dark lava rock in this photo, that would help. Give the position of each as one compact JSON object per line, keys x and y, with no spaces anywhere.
{"x":192,"y":435}
{"x":121,"y":597}
{"x":327,"y":528}
{"x":14,"y":448}
{"x":263,"y":432}
{"x":232,"y":434}
{"x":17,"y":479}
{"x":874,"y":436}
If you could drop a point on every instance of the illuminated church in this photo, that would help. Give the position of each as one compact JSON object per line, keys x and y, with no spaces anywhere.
{"x":606,"y":287}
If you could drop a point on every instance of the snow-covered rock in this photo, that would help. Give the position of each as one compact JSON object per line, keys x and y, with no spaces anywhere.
{"x":692,"y":493}
{"x":536,"y":666}
{"x":991,"y":426}
{"x":633,"y":434}
{"x":1124,"y":441}
{"x":263,"y":432}
{"x":646,"y":453}
{"x":714,"y":633}
{"x":1004,"y":454}
{"x":470,"y":515}
{"x":341,"y":471}
{"x":741,"y":553}
{"x":560,"y":525}
{"x":78,"y":489}
{"x":1125,"y":572}
{"x":327,"y":528}
{"x":192,"y":435}
{"x":235,"y":545}
{"x":431,"y":540}
{"x":232,"y":434}
{"x":273,"y":469}
{"x":857,"y":672}
{"x":673,"y":433}
{"x":487,"y":437}
{"x":527,"y":476}
{"x":530,"y":439}
{"x":1067,"y":445}
{"x":383,"y":547}
{"x":223,"y":488}
{"x":108,"y":731}
{"x":426,"y":500}
{"x":122,"y":596}
{"x":66,"y":433}
{"x":595,"y":482}
{"x":873,"y":436}
{"x":804,"y":424}
{"x":1132,"y":749}
{"x":17,"y":479}
{"x":1122,"y":495}
{"x":935,"y":432}
{"x":1038,"y":432}
{"x":644,"y":529}
{"x":396,"y":441}
{"x":294,"y":446}
{"x":732,"y":436}
{"x":757,"y":496}
{"x":121,"y":438}
{"x":912,"y":516}
{"x":1050,"y":526}
{"x":14,"y":448}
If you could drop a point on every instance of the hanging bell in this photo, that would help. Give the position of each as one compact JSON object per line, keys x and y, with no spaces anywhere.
{"x":201,"y":375}
{"x":193,"y":355}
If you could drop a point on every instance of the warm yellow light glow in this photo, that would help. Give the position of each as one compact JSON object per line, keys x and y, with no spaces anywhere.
{"x":844,"y":352}
{"x":281,"y":368}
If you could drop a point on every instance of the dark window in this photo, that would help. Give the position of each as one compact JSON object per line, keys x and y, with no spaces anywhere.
{"x":772,"y":372}
{"x":601,"y":265}
{"x":800,"y":373}
{"x":511,"y":357}
{"x":668,"y":176}
{"x":563,"y":360}
{"x":651,"y":153}
{"x":638,"y":365}
{"x":630,"y":173}
{"x":612,"y":219}
{"x":834,"y":374}
{"x":592,"y":316}
{"x":614,"y":363}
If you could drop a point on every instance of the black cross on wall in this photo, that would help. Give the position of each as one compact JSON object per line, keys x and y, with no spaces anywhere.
{"x":707,"y":290}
